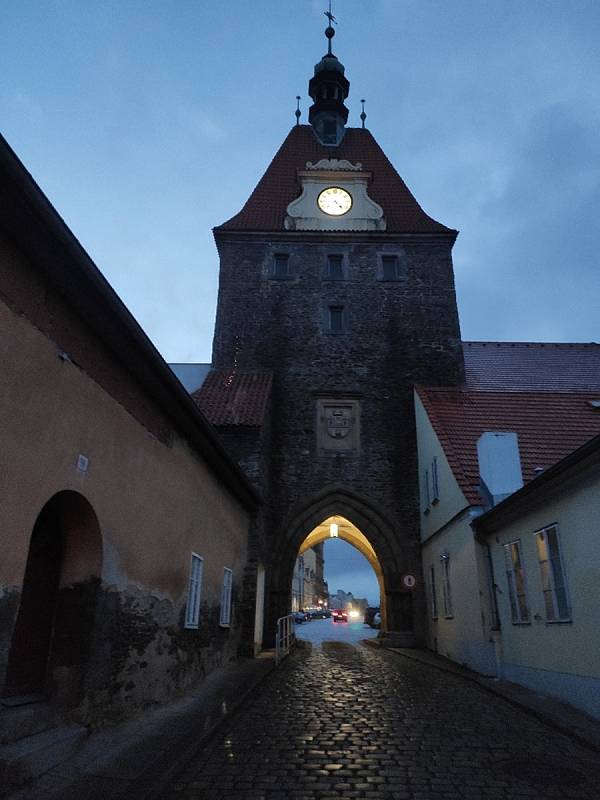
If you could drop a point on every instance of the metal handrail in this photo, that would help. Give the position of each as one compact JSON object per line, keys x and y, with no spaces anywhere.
{"x":285,"y":637}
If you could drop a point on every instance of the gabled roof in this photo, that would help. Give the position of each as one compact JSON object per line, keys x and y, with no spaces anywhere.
{"x":541,"y":391}
{"x":549,"y":426}
{"x":266,"y":208}
{"x":532,"y":366}
{"x":237,"y":398}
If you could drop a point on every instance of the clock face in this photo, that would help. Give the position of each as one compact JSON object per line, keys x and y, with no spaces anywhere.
{"x":334,"y":201}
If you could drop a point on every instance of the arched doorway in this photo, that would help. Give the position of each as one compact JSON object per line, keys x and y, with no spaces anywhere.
{"x":390,"y":555}
{"x":51,"y":638}
{"x":338,"y":527}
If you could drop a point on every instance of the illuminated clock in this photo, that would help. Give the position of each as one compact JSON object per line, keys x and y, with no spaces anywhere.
{"x":334,"y":201}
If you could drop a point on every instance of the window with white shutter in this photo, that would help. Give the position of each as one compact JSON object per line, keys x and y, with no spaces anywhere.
{"x":515,"y":575}
{"x":446,"y":589}
{"x":192,"y":611}
{"x":225,"y":618}
{"x":433,"y":593}
{"x":554,"y":585}
{"x":435,"y":487}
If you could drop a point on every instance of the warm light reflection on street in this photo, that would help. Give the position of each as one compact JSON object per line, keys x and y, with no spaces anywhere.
{"x":326,"y":630}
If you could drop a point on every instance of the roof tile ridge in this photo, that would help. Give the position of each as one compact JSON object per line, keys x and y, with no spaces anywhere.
{"x":291,"y":134}
{"x":527,"y":343}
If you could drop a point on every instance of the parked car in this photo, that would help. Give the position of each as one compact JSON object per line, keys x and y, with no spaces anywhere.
{"x":339,"y":615}
{"x":300,"y":617}
{"x":370,"y":612}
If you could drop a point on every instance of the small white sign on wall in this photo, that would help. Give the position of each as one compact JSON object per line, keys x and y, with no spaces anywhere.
{"x":408,"y":580}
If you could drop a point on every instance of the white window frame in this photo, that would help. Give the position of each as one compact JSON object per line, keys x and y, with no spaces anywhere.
{"x":520,"y":614}
{"x":446,"y":588}
{"x":426,"y":492}
{"x":225,"y":616}
{"x":435,"y":485}
{"x":192,"y":609}
{"x":548,"y":576}
{"x":433,"y":593}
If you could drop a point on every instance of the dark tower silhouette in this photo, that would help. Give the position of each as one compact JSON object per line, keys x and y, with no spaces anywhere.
{"x":336,"y":296}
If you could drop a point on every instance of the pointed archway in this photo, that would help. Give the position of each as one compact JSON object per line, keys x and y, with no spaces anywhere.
{"x":346,"y":531}
{"x":51,"y":637}
{"x":374,"y":536}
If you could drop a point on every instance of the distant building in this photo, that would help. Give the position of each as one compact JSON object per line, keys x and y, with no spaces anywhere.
{"x":308,"y":586}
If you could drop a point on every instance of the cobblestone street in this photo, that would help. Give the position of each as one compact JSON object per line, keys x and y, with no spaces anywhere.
{"x":355,"y":722}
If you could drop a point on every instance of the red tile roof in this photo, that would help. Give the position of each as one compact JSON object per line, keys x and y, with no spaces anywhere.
{"x":266,"y":208}
{"x":549,"y":425}
{"x":532,"y":366}
{"x":238,"y":398}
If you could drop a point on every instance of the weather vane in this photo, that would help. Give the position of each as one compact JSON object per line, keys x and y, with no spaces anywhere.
{"x":329,"y":31}
{"x":298,"y":112}
{"x":329,"y":15}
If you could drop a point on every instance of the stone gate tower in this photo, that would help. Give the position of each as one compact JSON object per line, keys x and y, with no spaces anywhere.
{"x":336,"y":296}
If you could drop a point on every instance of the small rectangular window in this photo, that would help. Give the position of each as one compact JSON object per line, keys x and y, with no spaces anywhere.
{"x":426,"y":490}
{"x":432,"y":593}
{"x":515,"y":575}
{"x":336,"y":318}
{"x":192,"y":611}
{"x":389,"y":268}
{"x":435,"y":489}
{"x":335,"y":267}
{"x":280,"y":265}
{"x":554,"y":586}
{"x":446,"y":592}
{"x":225,"y":617}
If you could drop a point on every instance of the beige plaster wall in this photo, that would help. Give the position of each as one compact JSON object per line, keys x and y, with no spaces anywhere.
{"x":156,"y":502}
{"x":451,"y":499}
{"x":445,"y":528}
{"x":464,"y":637}
{"x":569,"y":648}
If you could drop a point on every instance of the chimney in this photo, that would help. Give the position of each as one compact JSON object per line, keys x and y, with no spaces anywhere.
{"x":499,"y":466}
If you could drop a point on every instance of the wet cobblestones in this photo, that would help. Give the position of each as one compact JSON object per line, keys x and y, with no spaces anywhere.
{"x":352,"y":722}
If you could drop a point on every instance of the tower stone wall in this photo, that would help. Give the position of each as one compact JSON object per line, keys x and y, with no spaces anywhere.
{"x":395,"y":333}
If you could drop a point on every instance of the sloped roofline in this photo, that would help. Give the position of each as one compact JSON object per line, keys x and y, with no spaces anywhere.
{"x":264,"y":211}
{"x":30,"y":220}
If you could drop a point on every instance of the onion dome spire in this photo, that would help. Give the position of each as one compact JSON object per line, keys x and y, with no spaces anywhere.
{"x":329,"y":88}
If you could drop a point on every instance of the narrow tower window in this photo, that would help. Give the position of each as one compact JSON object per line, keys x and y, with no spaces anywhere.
{"x":336,"y":318}
{"x":280,"y":265}
{"x":335,"y":267}
{"x":389,"y":268}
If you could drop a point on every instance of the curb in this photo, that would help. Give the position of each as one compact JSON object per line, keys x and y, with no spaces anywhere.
{"x":591,"y":741}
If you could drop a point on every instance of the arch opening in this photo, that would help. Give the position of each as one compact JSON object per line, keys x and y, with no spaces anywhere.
{"x":334,"y":528}
{"x":395,"y":554}
{"x":51,"y":639}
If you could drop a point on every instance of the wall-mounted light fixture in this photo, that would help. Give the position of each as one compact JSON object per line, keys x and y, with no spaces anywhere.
{"x":333,"y":530}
